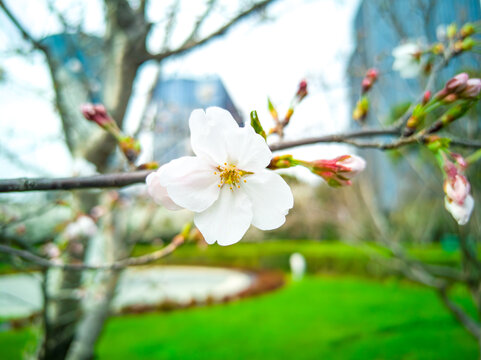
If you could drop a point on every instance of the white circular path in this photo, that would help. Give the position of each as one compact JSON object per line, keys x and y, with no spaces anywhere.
{"x":20,"y":294}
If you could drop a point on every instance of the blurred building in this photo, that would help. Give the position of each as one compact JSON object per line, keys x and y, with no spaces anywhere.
{"x":79,"y":66}
{"x":170,"y":106}
{"x":381,"y":25}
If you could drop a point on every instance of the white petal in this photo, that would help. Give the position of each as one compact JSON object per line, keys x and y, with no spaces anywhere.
{"x":227,"y":220}
{"x":356,"y":163}
{"x":247,"y":150}
{"x":158,"y":192}
{"x":461,"y":213}
{"x":405,"y":50}
{"x":206,"y":133}
{"x":190,"y":182}
{"x":410,"y":71}
{"x":271,"y":199}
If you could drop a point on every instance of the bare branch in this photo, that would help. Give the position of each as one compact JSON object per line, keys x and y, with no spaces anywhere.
{"x":194,"y":33}
{"x":219,"y":32}
{"x":26,"y":35}
{"x":124,"y":179}
{"x":134,"y":261}
{"x":471,"y":326}
{"x":169,"y":27}
{"x":336,"y":138}
{"x":61,"y":18}
{"x":102,"y":181}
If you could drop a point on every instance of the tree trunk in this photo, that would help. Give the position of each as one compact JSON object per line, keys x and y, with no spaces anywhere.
{"x":62,"y":311}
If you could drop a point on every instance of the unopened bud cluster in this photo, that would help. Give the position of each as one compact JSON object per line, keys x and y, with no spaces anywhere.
{"x":98,"y":114}
{"x":301,"y":93}
{"x":370,"y":78}
{"x":457,"y":200}
{"x":339,"y":171}
{"x":460,"y":90}
{"x":361,"y":109}
{"x":362,"y":106}
{"x":336,"y":172}
{"x":462,"y":39}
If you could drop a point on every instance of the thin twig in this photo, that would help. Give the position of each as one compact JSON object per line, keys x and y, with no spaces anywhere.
{"x":117,"y":265}
{"x":26,"y":35}
{"x":336,"y":138}
{"x":217,"y":33}
{"x":471,"y":326}
{"x":200,"y":20}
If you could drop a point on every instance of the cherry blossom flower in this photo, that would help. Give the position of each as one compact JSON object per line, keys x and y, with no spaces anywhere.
{"x":460,"y":212}
{"x":226,"y":184}
{"x":473,"y":87}
{"x":407,"y":60}
{"x":84,"y":226}
{"x":458,"y":200}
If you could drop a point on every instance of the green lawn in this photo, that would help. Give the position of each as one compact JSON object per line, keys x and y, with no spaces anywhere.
{"x":342,"y":316}
{"x":318,"y":318}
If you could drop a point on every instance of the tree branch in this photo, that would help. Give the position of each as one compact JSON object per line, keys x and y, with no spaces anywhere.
{"x":117,"y":265}
{"x":402,"y":121}
{"x":471,"y":326}
{"x":96,"y":181}
{"x":219,"y":32}
{"x":124,"y":179}
{"x":26,"y":35}
{"x":336,"y":138}
{"x":199,"y":22}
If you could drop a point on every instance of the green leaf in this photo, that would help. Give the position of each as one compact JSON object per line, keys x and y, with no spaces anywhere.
{"x":256,"y":124}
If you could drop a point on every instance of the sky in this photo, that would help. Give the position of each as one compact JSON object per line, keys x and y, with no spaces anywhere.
{"x":308,"y":39}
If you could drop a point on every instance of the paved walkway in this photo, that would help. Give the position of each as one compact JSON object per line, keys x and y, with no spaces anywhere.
{"x":20,"y":293}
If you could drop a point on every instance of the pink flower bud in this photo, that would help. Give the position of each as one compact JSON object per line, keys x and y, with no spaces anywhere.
{"x":370,"y":78}
{"x":351,"y":165}
{"x":373,"y":74}
{"x":366,"y":84}
{"x":457,"y":189}
{"x":96,"y":113}
{"x":460,"y":161}
{"x":302,"y":90}
{"x":338,"y":171}
{"x":473,"y":87}
{"x":51,"y":250}
{"x":426,"y":97}
{"x":457,"y":83}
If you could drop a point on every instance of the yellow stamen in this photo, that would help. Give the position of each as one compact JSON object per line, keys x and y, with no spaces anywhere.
{"x":231,"y":175}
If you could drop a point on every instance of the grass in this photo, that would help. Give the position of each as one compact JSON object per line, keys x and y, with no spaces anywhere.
{"x":328,"y":317}
{"x":322,"y":256}
{"x":342,"y":316}
{"x":320,"y":317}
